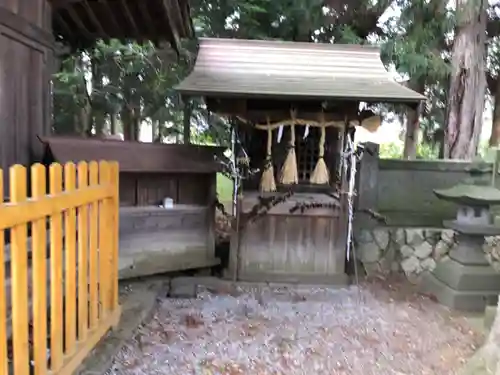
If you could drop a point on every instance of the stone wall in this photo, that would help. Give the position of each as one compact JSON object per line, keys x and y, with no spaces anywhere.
{"x":385,"y":185}
{"x":407,"y":250}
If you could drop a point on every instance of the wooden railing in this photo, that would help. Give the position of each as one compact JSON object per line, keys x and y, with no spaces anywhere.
{"x":59,"y":300}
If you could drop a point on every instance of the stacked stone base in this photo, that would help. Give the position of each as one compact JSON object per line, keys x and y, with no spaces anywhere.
{"x":474,"y":301}
{"x":466,"y":280}
{"x":461,"y":273}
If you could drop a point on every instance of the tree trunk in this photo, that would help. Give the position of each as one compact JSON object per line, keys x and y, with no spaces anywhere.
{"x":136,"y":127}
{"x":86,"y":119}
{"x":187,"y":112}
{"x":112,"y":123}
{"x":495,"y":126}
{"x":467,"y":81}
{"x":154,"y":130}
{"x":97,"y":110}
{"x":411,"y":134}
{"x":412,"y":125}
{"x":127,"y":123}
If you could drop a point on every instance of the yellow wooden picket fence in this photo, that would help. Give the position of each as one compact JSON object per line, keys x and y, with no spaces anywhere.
{"x":60,"y":301}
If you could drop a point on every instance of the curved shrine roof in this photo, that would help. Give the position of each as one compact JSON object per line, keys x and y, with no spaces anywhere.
{"x":262,"y":69}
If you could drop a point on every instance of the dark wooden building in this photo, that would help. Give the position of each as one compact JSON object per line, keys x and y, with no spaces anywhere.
{"x":31,"y":33}
{"x":307,"y":96}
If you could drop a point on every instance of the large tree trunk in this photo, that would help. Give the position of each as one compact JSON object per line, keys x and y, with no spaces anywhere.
{"x":412,"y":125}
{"x":86,"y":119}
{"x":97,"y":110}
{"x":467,"y":81}
{"x":155,"y":126}
{"x":186,"y":122}
{"x":495,"y":126}
{"x":112,"y":124}
{"x":137,"y":123}
{"x":127,"y":123}
{"x":411,"y":134}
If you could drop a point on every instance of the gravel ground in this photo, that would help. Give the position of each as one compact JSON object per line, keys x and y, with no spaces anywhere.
{"x":375,"y":328}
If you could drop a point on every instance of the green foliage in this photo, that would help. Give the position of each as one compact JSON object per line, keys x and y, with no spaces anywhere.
{"x":391,"y":150}
{"x":415,"y":43}
{"x":224,"y":188}
{"x":427,"y":151}
{"x":120,"y":86}
{"x":483,"y":148}
{"x":114,"y":78}
{"x":394,"y":150}
{"x":132,"y":83}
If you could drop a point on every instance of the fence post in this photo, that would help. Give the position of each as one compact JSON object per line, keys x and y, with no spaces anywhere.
{"x":105,"y":242}
{"x":19,"y":276}
{"x":93,"y":243}
{"x":115,"y":230}
{"x":39,"y":254}
{"x":70,"y":261}
{"x":56,"y":274}
{"x":83,"y":256}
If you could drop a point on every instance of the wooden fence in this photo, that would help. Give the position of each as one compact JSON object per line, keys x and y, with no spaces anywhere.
{"x":59,"y":296}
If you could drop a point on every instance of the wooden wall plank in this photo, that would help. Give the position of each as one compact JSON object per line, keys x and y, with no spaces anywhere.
{"x":26,"y":44}
{"x":4,"y":363}
{"x":6,"y":156}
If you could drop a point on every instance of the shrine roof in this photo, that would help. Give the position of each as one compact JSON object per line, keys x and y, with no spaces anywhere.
{"x":228,"y":68}
{"x":135,"y":156}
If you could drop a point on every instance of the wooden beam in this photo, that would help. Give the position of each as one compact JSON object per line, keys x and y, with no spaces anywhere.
{"x":149,"y":21}
{"x":56,"y":4}
{"x":60,"y":19}
{"x":94,"y":19}
{"x":187,"y":21}
{"x":171,"y":25}
{"x":74,"y":16}
{"x":130,"y":18}
{"x":184,"y":26}
{"x":116,"y":26}
{"x":259,"y":110}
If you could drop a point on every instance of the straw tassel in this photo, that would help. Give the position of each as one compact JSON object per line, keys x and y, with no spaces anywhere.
{"x":289,"y":173}
{"x":267,"y":183}
{"x":321,"y":175}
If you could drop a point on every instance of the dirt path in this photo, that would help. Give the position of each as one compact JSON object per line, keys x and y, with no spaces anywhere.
{"x":377,"y":328}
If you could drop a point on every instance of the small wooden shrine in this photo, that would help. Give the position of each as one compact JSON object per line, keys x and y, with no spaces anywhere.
{"x":155,"y":238}
{"x":294,"y":104}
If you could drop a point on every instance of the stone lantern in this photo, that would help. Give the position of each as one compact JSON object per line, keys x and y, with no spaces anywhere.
{"x":465,"y":280}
